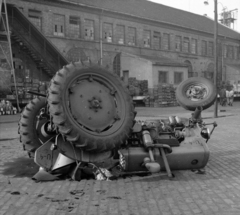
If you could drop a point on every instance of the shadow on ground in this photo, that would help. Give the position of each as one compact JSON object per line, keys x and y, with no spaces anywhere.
{"x":20,"y":167}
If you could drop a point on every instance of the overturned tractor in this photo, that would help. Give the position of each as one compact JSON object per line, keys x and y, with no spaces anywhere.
{"x":86,"y":125}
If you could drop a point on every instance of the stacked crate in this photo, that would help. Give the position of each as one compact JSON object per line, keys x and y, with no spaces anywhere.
{"x":138,"y":87}
{"x":24,"y":85}
{"x":162,"y":95}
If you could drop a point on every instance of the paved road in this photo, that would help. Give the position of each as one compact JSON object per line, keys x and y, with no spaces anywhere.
{"x":216,"y":192}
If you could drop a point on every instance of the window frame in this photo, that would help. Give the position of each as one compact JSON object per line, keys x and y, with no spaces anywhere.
{"x":177,"y":73}
{"x":166,"y":41}
{"x":178,"y":43}
{"x":35,"y":17}
{"x":59,"y":25}
{"x":120,"y":34}
{"x":194,"y":46}
{"x":74,"y":27}
{"x":166,"y":73}
{"x":210,"y":48}
{"x":107,"y":32}
{"x":132,"y":39}
{"x":186,"y":45}
{"x":89,"y":30}
{"x":147,"y":39}
{"x":156,"y":43}
{"x":204,"y":45}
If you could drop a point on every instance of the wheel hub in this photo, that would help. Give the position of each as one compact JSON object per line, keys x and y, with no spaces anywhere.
{"x":93,"y":105}
{"x":197,"y":92}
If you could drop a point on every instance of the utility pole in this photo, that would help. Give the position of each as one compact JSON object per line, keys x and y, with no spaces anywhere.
{"x":215,"y":55}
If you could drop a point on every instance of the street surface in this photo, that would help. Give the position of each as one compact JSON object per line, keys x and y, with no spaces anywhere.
{"x":216,"y":192}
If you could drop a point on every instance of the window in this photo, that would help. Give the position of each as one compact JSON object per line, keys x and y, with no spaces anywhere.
{"x":74,"y":27}
{"x":58,"y":23}
{"x":36,"y":18}
{"x":225,"y":51}
{"x":156,"y":40}
{"x":210,"y":48}
{"x":89,"y":29}
{"x":190,"y":68}
{"x":186,"y":44}
{"x":125,"y":76}
{"x":194,"y":46}
{"x":107,"y":32}
{"x":230,"y":52}
{"x":120,"y":34}
{"x":178,"y":43}
{"x":166,"y":41}
{"x":237,"y":52}
{"x":146,"y":38}
{"x":204,"y":48}
{"x":131,"y":36}
{"x":178,"y":77}
{"x":162,"y":77}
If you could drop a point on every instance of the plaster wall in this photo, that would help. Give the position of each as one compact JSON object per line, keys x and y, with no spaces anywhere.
{"x":139,"y":68}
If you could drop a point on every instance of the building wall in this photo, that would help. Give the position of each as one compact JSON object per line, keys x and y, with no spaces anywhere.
{"x":91,"y":49}
{"x":232,"y":74}
{"x":170,"y":71}
{"x":139,"y":68}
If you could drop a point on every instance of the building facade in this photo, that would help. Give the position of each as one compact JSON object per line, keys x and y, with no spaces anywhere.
{"x":100,"y":30}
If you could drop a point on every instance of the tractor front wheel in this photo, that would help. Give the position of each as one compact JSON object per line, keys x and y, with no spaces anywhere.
{"x":195,"y":92}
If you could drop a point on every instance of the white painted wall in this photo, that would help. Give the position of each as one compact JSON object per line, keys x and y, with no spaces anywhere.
{"x":138,"y":67}
{"x":143,"y":69}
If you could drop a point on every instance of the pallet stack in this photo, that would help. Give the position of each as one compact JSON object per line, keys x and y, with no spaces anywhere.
{"x":162,"y":95}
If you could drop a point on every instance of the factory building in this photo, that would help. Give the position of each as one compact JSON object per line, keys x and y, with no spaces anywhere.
{"x":133,"y":38}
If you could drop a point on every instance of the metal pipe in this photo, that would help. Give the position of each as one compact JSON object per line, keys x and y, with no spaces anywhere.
{"x":215,"y":54}
{"x":11,"y":56}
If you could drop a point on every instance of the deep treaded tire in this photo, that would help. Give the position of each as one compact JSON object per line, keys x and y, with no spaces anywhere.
{"x":195,"y":92}
{"x":91,"y":107}
{"x":29,"y":134}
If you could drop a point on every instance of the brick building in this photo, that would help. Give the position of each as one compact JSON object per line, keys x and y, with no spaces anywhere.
{"x":103,"y":30}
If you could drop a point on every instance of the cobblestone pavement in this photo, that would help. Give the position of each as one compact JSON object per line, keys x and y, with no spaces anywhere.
{"x":216,"y":192}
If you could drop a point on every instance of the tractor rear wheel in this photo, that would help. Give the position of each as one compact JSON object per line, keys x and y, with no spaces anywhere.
{"x":33,"y":118}
{"x":91,"y":107}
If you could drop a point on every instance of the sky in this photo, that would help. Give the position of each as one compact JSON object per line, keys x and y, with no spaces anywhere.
{"x":198,"y":7}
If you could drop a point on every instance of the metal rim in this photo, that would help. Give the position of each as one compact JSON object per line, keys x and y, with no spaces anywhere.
{"x":95,"y":104}
{"x":40,"y":120}
{"x":197,"y":91}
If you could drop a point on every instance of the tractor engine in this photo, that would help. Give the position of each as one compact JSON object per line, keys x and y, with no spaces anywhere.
{"x":184,"y":141}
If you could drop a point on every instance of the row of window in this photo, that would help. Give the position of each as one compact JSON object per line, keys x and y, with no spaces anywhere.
{"x":164,"y":79}
{"x":150,"y":39}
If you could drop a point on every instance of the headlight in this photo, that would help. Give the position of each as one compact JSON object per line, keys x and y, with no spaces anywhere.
{"x":205,"y":133}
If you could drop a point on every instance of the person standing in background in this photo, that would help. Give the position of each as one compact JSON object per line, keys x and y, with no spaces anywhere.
{"x":230,"y":97}
{"x":223,"y":99}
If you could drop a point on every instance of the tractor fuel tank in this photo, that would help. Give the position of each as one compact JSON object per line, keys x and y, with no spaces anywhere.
{"x":191,"y":154}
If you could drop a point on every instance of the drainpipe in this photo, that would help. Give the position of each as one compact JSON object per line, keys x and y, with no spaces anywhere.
{"x":100,"y":40}
{"x":223,"y":75}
